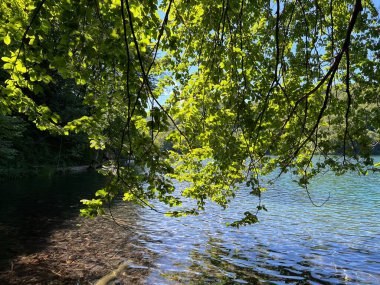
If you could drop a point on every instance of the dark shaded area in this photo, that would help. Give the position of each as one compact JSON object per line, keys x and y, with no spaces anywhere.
{"x":33,"y":272}
{"x":376,"y":150}
{"x":30,"y":209}
{"x":26,"y":150}
{"x":82,"y":252}
{"x":43,"y":240}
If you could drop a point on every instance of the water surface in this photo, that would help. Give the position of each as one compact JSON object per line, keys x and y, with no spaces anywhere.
{"x":294,"y":243}
{"x":31,"y":208}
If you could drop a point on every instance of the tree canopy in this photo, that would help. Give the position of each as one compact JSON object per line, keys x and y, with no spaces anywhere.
{"x":253,"y":87}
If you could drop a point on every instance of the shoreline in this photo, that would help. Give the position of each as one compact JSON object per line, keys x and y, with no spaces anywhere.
{"x":44,"y":171}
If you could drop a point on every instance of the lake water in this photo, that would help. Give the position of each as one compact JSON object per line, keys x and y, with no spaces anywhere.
{"x":294,"y":243}
{"x":31,"y":208}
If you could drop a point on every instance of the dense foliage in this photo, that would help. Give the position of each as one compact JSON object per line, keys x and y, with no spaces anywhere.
{"x":256,"y":87}
{"x":25,"y":150}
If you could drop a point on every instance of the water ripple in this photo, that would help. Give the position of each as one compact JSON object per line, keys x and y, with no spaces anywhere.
{"x":294,"y":243}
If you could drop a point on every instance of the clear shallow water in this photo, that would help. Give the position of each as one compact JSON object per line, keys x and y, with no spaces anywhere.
{"x":31,"y":208}
{"x":294,"y":243}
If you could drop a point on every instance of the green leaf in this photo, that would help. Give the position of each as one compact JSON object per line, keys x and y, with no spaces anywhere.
{"x":7,"y":39}
{"x":101,"y":193}
{"x":6,"y":59}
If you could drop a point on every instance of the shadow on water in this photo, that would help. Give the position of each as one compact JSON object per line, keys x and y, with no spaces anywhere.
{"x":30,"y":209}
{"x":295,"y":243}
{"x":213,"y":267}
{"x":218,"y":264}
